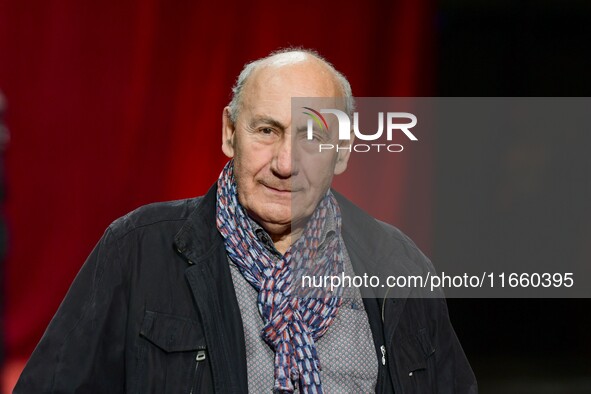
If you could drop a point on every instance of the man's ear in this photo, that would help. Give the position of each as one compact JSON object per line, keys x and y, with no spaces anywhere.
{"x":228,"y":130}
{"x":345,"y":148}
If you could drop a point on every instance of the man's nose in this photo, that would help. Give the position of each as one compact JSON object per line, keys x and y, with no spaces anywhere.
{"x":284,"y":164}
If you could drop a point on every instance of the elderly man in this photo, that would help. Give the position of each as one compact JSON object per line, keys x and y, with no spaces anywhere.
{"x":197,"y":296}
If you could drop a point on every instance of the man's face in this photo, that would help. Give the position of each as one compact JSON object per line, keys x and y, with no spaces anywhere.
{"x":280,"y":178}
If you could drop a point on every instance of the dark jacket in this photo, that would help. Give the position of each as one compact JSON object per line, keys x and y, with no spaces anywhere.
{"x":153,"y":310}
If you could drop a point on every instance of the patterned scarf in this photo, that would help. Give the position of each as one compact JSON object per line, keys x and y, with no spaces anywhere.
{"x":291,"y":323}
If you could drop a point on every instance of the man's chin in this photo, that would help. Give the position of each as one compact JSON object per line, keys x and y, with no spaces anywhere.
{"x":278,"y":221}
{"x":279,"y":224}
{"x":279,"y":217}
{"x":272,"y":213}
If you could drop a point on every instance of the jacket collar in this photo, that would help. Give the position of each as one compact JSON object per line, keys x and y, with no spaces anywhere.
{"x":199,"y":237}
{"x":382,"y":250}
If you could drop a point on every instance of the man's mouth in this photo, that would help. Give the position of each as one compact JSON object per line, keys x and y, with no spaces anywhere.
{"x":278,"y":188}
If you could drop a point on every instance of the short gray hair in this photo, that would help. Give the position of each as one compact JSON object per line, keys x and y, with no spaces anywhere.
{"x":284,"y":57}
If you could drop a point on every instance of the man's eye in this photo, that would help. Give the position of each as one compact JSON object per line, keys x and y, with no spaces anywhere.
{"x":316,"y":137}
{"x":266,"y":130}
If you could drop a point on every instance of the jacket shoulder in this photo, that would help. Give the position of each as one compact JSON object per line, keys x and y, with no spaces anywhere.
{"x":154,"y":214}
{"x":379,"y":241}
{"x":403,"y":242}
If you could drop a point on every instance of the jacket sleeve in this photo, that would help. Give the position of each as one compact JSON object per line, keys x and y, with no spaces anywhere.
{"x":451,"y":372}
{"x":83,"y":348}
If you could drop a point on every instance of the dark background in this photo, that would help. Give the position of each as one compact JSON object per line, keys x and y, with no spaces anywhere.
{"x":116,"y":104}
{"x":518,"y":196}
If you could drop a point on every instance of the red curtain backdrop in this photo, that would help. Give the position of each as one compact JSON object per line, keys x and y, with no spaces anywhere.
{"x":114,"y":104}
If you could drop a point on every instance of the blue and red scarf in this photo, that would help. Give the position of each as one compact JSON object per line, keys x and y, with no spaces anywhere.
{"x":291,"y":324}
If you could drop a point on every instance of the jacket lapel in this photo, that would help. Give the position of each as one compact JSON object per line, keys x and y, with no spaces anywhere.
{"x":211,"y":284}
{"x":371,"y":251}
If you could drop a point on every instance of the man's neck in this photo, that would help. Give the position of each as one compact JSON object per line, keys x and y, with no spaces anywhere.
{"x":282,"y":242}
{"x":283,"y":236}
